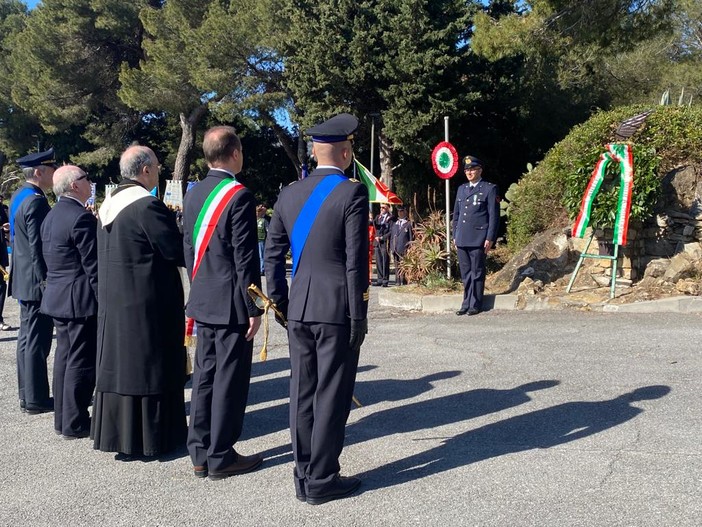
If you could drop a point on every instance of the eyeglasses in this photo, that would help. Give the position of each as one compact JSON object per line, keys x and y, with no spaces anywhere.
{"x":84,"y":176}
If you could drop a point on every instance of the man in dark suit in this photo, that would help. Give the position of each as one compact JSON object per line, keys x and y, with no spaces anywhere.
{"x":70,"y":250}
{"x":383,"y":226}
{"x":400,"y":236}
{"x":28,"y":208}
{"x":221,"y":255}
{"x":323,"y":220}
{"x":476,"y":213}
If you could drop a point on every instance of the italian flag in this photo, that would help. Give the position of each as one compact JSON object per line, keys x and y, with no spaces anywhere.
{"x":377,"y":191}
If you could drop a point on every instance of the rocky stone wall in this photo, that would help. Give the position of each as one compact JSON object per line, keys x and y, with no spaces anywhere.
{"x":663,"y":252}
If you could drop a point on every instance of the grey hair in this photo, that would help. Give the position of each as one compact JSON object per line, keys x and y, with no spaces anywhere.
{"x":133,"y":160}
{"x":28,"y":172}
{"x":64,"y":177}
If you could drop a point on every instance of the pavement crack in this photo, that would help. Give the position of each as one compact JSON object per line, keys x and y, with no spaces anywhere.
{"x":619,"y":454}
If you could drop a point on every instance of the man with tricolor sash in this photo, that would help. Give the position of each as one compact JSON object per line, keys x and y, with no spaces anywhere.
{"x":323,"y":220}
{"x":221,"y":255}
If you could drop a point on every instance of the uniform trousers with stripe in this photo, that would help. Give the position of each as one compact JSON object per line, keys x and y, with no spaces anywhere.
{"x":471,"y":261}
{"x":323,"y":373}
{"x":221,"y":377}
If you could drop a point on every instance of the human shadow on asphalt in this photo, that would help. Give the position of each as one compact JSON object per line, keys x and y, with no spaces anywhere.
{"x":259,"y":368}
{"x":545,"y":428}
{"x":273,"y":419}
{"x":441,"y":411}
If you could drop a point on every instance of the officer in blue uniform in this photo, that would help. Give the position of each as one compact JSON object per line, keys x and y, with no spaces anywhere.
{"x":476,"y":213}
{"x":28,"y":208}
{"x":323,"y":219}
{"x":69,"y":237}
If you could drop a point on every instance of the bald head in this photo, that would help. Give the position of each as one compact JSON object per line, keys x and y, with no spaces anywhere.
{"x":335,"y":154}
{"x":134,"y":159}
{"x":140,"y":163}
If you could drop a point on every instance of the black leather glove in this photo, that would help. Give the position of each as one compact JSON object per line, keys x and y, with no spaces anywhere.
{"x":359,"y":328}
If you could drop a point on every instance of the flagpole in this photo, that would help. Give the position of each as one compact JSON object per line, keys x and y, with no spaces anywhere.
{"x":372,"y":149}
{"x":448,"y":211}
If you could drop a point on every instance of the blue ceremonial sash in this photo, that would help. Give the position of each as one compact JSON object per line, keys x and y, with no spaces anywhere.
{"x":305,"y":220}
{"x":15,"y":205}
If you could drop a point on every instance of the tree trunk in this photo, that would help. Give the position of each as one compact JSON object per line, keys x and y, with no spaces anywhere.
{"x":386,"y":150}
{"x":188,"y":126}
{"x":285,"y":140}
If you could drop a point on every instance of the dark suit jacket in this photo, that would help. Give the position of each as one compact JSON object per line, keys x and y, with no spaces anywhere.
{"x":476,"y":214}
{"x":401,"y":236}
{"x":332,"y":275}
{"x":383,"y":226}
{"x":28,"y":270}
{"x":69,"y":237}
{"x":230,"y":264}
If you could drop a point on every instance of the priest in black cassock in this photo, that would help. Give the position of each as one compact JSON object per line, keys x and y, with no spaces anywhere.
{"x":139,"y":407}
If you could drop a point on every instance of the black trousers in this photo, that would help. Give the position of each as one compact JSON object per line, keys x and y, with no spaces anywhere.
{"x":382,"y":262}
{"x":323,"y":372}
{"x":471,"y":261}
{"x":3,"y":294}
{"x":33,"y":347}
{"x":221,"y":377}
{"x":74,"y":373}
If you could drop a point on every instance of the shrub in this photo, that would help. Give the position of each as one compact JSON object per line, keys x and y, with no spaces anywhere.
{"x":550,"y":195}
{"x":426,"y":255}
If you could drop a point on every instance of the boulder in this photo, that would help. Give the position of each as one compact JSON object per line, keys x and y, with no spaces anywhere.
{"x":545,"y":259}
{"x":681,"y":266}
{"x":688,"y":286}
{"x":656,"y":268}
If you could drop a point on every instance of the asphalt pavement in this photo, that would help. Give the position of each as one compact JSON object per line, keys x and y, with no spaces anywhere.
{"x":508,"y":418}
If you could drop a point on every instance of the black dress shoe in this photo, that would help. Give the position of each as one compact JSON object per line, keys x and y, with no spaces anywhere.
{"x":40,"y":409}
{"x":242,"y":465}
{"x":23,"y":406}
{"x":473,"y":311}
{"x":78,"y":435}
{"x":340,"y":488}
{"x":461,"y":312}
{"x":200,"y":471}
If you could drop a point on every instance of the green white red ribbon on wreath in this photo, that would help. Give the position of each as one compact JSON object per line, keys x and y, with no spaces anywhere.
{"x":622,"y":154}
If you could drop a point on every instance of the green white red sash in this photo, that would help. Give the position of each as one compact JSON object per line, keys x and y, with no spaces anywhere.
{"x":206,"y":223}
{"x":205,"y":226}
{"x":622,"y":154}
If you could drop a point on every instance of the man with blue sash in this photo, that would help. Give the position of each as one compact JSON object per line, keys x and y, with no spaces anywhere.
{"x":28,"y":208}
{"x":323,"y":220}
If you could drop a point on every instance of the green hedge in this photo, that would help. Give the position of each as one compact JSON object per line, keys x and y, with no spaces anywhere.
{"x":550,"y":195}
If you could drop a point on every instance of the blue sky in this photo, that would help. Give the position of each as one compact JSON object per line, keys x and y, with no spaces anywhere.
{"x":32,"y":3}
